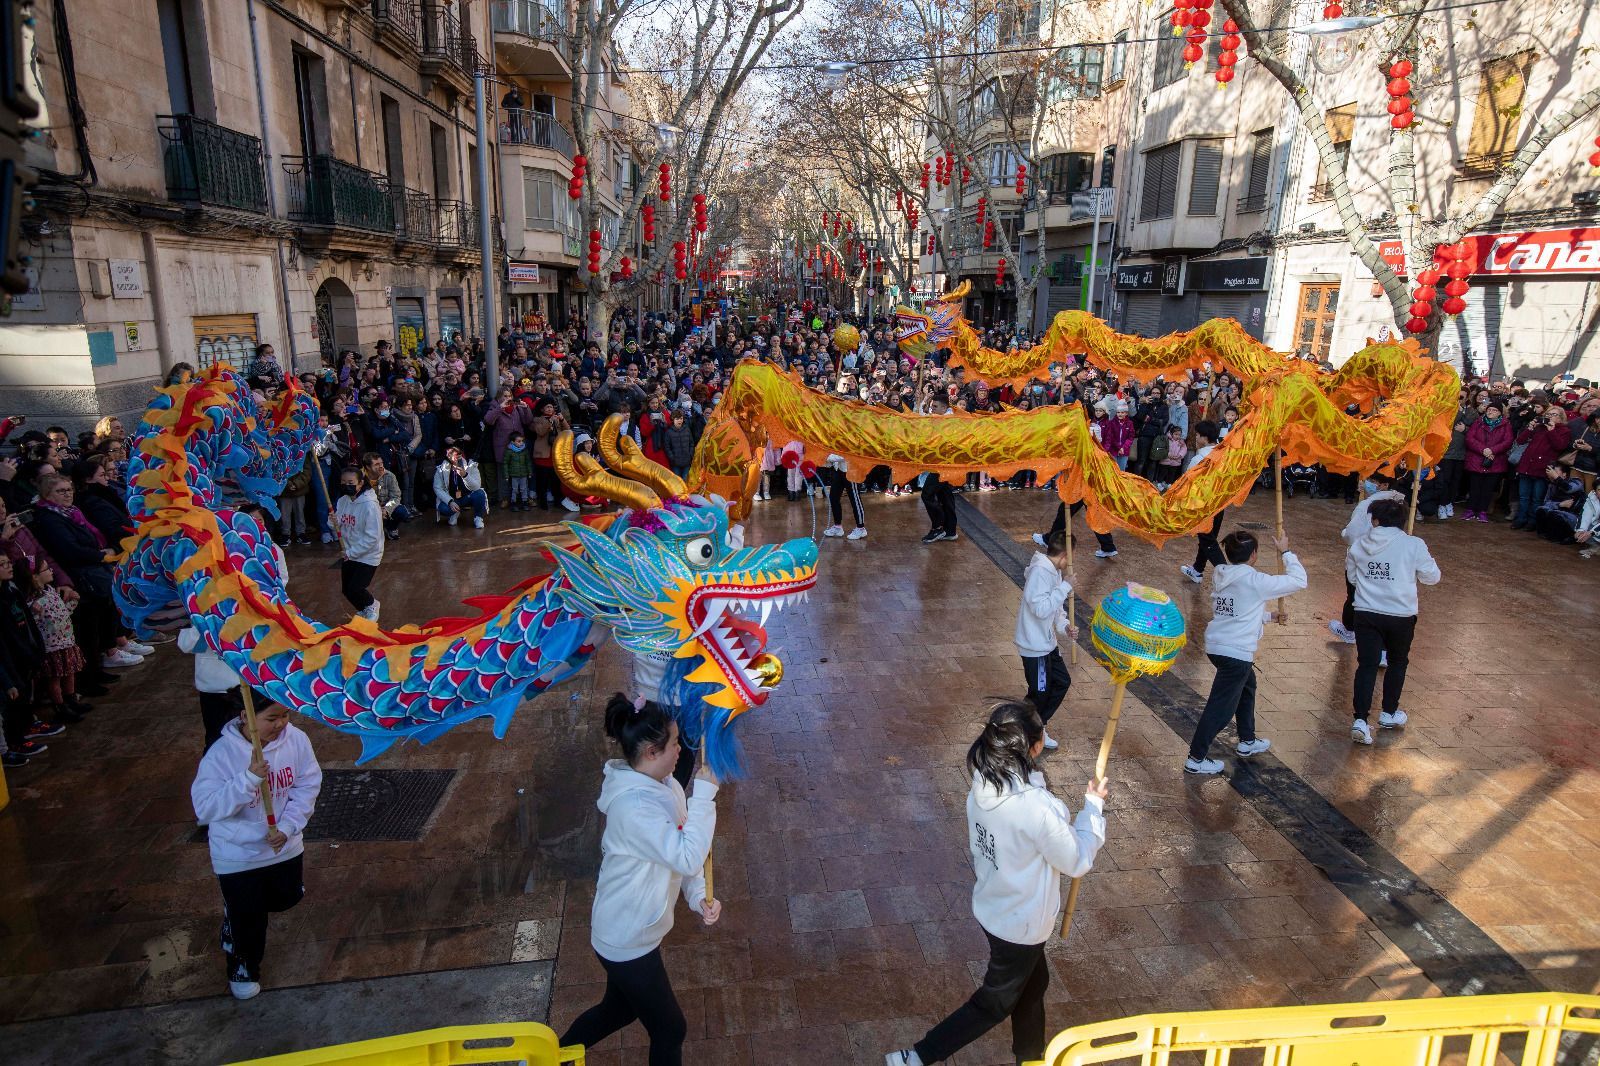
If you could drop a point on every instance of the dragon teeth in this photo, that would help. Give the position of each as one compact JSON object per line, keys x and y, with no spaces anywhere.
{"x":713,"y":616}
{"x":766,"y":611}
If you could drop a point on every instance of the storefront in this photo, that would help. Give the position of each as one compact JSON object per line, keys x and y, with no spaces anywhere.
{"x":1179,"y":294}
{"x":532,"y":295}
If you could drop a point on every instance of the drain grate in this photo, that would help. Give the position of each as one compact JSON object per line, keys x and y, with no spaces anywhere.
{"x":377,"y":804}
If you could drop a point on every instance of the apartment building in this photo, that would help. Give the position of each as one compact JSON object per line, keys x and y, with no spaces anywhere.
{"x":219,"y":173}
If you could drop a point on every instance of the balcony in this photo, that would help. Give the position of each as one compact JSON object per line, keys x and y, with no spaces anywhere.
{"x":447,"y":51}
{"x":354,"y":206}
{"x":1253,"y":203}
{"x":397,"y":27}
{"x":1322,"y":190}
{"x":211,"y":165}
{"x":457,"y":226}
{"x":533,"y":36}
{"x":534,"y":129}
{"x":415,"y":220}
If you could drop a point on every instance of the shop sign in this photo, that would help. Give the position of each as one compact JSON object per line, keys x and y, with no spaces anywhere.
{"x":1553,"y":251}
{"x":1138,"y":277}
{"x":523,"y":273}
{"x":1227,"y":275}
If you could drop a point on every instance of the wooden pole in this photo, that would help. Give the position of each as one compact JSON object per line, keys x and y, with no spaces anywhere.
{"x":1277,"y":490}
{"x":1072,"y":597}
{"x":255,"y":751}
{"x":1099,"y":772}
{"x":1416,"y":491}
{"x":710,"y":896}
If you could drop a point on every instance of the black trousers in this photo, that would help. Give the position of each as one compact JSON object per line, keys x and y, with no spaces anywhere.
{"x":1106,"y":541}
{"x":1376,"y":635}
{"x":635,"y":991}
{"x":247,"y":899}
{"x":546,"y":486}
{"x":96,"y":623}
{"x":839,"y":484}
{"x":1347,"y":616}
{"x":940,"y":501}
{"x":1014,"y":987}
{"x":1208,"y":550}
{"x":1048,"y":682}
{"x":217,"y":709}
{"x":1233,"y":696}
{"x":353,"y":581}
{"x":16,"y":715}
{"x":1481,"y":490}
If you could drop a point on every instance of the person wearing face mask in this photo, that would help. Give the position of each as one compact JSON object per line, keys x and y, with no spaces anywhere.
{"x":360,"y":522}
{"x":1488,"y":446}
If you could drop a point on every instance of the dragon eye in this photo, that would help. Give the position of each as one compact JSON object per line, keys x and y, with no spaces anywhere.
{"x":700,"y":551}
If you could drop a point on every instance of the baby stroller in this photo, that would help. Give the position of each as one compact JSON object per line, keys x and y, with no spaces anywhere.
{"x":1298,"y":475}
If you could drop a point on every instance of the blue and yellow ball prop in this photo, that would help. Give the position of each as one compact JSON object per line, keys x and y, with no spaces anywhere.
{"x":1137,"y":632}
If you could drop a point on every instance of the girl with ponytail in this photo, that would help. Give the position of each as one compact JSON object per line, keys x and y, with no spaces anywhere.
{"x":655,"y":845}
{"x":1023,"y":840}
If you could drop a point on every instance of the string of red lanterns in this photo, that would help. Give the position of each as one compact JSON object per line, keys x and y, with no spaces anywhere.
{"x":1399,"y":89}
{"x":1228,"y":56}
{"x":664,"y":180}
{"x":594,"y":251}
{"x":580,"y":167}
{"x":1594,"y":160}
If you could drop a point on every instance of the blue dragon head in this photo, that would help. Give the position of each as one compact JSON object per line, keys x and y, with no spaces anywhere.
{"x":670,"y":574}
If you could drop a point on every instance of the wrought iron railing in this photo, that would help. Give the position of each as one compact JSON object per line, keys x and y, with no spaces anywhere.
{"x":325,"y":191}
{"x":210,"y":164}
{"x":398,"y":17}
{"x":414,"y":216}
{"x":535,"y":129}
{"x":442,"y":38}
{"x":458,"y":224}
{"x":1322,"y":190}
{"x":1254,"y":202}
{"x":545,"y":21}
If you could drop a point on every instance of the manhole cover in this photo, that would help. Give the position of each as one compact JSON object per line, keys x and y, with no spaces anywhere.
{"x":372,"y":805}
{"x":1254,"y":525}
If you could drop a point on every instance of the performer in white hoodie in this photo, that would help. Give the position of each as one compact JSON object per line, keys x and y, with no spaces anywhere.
{"x":257,"y":862}
{"x":1044,"y":590}
{"x":1023,"y":841}
{"x":360,"y":523}
{"x":655,"y":845}
{"x":1385,"y":566}
{"x":1239,"y":596}
{"x":1379,"y":486}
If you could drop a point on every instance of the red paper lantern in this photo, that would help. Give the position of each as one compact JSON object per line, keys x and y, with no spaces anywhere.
{"x":1453,"y":306}
{"x":1594,"y":161}
{"x":1460,"y":270}
{"x":1425,"y":293}
{"x":1421,"y":309}
{"x":1399,"y":87}
{"x":1199,"y":20}
{"x":1180,"y":16}
{"x":1332,"y":11}
{"x":1402,"y":120}
{"x":1224,"y":76}
{"x":1401,"y":68}
{"x":1192,"y":54}
{"x":930,"y":244}
{"x":924,"y":180}
{"x":1456,"y":287}
{"x":1429,"y":276}
{"x":1000,"y":272}
{"x":1417,"y":325}
{"x":1022,"y":178}
{"x":983,"y":207}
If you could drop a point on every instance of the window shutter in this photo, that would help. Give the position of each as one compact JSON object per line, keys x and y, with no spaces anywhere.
{"x":1342,"y":123}
{"x":1206,"y":177}
{"x":1499,"y":112}
{"x":1159,"y":196}
{"x":1260,"y":164}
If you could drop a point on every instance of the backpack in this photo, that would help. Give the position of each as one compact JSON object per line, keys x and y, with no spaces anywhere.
{"x":1160,"y":448}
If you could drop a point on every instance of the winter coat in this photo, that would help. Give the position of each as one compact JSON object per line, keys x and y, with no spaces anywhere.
{"x":1044,"y":591}
{"x":76,"y":549}
{"x":103,"y":507}
{"x":471,"y":480}
{"x":499,"y":423}
{"x":227,"y":798}
{"x":677,"y":443}
{"x":1544,"y":446}
{"x":1116,"y":435}
{"x":1497,"y":439}
{"x":1458,"y":437}
{"x":1239,"y":597}
{"x":518,"y":463}
{"x":1385,"y":567}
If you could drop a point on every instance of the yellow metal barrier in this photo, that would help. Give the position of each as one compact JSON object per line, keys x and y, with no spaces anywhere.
{"x":1459,"y":1031}
{"x":520,"y":1042}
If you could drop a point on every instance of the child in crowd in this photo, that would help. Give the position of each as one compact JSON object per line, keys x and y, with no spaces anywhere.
{"x":360,"y":522}
{"x":519,"y":469}
{"x":1170,"y":465}
{"x":257,"y":861}
{"x":655,"y":845}
{"x":1239,"y":597}
{"x":62,"y":657}
{"x":1023,"y":840}
{"x":21,"y":655}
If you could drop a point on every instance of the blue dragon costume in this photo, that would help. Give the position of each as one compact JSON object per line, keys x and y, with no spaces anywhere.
{"x":668,"y":576}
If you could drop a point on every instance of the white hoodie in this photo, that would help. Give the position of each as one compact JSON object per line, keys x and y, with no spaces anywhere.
{"x":1043,"y":592}
{"x":1023,"y":840}
{"x":1239,"y":595}
{"x":655,"y":843}
{"x":1360,"y":523}
{"x":360,"y":521}
{"x":1385,"y":566}
{"x":227,"y":797}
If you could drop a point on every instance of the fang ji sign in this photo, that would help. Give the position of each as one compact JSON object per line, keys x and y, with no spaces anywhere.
{"x":1552,"y":251}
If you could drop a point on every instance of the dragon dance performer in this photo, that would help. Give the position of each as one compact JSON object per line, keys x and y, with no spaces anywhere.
{"x":1041,"y":616}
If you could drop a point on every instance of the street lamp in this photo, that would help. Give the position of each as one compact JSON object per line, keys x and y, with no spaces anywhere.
{"x":1339,"y":25}
{"x":1333,"y":41}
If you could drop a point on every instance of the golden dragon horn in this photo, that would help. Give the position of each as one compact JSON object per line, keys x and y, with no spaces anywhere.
{"x":623,"y":455}
{"x":582,"y":473}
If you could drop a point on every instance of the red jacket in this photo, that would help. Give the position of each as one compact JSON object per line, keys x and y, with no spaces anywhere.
{"x":1545,"y":446}
{"x":1497,"y":440}
{"x":1116,"y":435}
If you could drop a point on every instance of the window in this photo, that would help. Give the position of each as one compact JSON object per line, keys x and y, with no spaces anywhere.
{"x":1313,"y":325}
{"x":1205,"y":176}
{"x":1259,"y":174}
{"x":439,"y":148}
{"x":1279,"y":16}
{"x":1498,"y":116}
{"x":1169,"y":53}
{"x":393,"y":146}
{"x":1117,"y":69}
{"x":1064,"y":174}
{"x":539,"y":198}
{"x":610,"y":228}
{"x":1108,"y":165}
{"x":182,"y":29}
{"x":1079,"y":68}
{"x":1159,"y":197}
{"x":1003,"y":160}
{"x":1341,"y":128}
{"x":311,"y":102}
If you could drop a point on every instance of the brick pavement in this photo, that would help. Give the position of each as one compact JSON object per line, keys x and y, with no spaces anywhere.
{"x":842,"y":858}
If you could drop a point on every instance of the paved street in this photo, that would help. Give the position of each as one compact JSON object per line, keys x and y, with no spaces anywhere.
{"x":1456,"y":856}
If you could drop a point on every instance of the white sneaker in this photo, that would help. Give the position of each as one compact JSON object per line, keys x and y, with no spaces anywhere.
{"x":1038,"y":538}
{"x":908,"y":1057}
{"x":1252,"y":747}
{"x":136,"y":648}
{"x":327,"y":538}
{"x":1360,"y":731}
{"x":1112,"y":554}
{"x":119,"y":658}
{"x":477,"y":523}
{"x":1383,"y":659}
{"x":244,"y":989}
{"x":1192,"y":765}
{"x":833,"y":531}
{"x":1192,"y":574}
{"x":1392,"y":721}
{"x":454,"y":519}
{"x":1447,"y":511}
{"x":1050,"y":743}
{"x":370,"y":612}
{"x":570,"y":504}
{"x":858,"y":533}
{"x":1338,"y":629}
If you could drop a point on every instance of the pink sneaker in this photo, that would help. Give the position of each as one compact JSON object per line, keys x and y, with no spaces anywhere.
{"x":1482,"y":517}
{"x":1467,"y":516}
